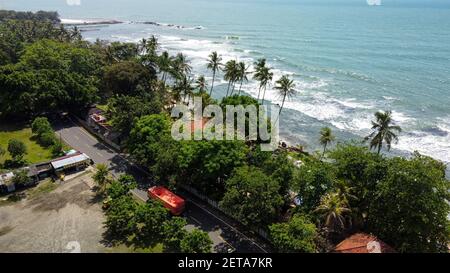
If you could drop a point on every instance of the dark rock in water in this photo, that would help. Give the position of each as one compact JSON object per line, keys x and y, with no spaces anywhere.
{"x":436,"y":131}
{"x":151,"y":23}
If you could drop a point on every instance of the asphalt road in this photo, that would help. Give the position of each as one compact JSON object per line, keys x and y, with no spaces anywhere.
{"x":223,"y":231}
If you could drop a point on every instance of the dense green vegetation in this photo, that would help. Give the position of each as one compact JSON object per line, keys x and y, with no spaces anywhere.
{"x":19,"y":15}
{"x":340,"y":190}
{"x":35,"y":153}
{"x":147,"y":225}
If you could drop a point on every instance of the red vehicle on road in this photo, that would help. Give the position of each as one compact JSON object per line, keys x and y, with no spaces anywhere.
{"x":170,"y":200}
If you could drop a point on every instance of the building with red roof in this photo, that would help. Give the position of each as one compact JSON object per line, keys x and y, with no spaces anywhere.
{"x":363,"y":243}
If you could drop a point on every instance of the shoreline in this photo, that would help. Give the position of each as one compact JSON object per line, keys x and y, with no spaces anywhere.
{"x":287,"y":137}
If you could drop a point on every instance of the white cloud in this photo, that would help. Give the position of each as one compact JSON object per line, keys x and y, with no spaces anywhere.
{"x":73,"y":2}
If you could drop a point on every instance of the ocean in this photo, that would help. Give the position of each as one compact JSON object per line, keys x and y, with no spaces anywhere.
{"x":349,"y":59}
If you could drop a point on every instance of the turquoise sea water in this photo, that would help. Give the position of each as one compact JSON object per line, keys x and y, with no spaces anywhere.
{"x":348,"y":59}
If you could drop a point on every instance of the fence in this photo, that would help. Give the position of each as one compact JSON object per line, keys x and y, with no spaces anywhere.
{"x":260,"y":231}
{"x":92,"y":131}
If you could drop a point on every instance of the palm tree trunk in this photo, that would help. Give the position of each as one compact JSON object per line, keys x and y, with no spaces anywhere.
{"x":212,"y":84}
{"x":379,"y":147}
{"x":228,"y":89}
{"x":164,"y":78}
{"x":281,"y":108}
{"x":240,"y":87}
{"x":259,"y":91}
{"x":264,"y":95}
{"x":324,"y":149}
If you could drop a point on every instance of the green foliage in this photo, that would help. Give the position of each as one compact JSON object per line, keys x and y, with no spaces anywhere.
{"x":16,"y":149}
{"x":204,"y":164}
{"x":40,"y":126}
{"x":174,"y":233}
{"x":123,"y":111}
{"x":196,"y":241}
{"x":326,"y":137}
{"x":312,"y":181}
{"x":101,"y":177}
{"x":51,"y":16}
{"x":278,"y":165}
{"x":334,"y":212}
{"x":57,"y":148}
{"x":18,"y":33}
{"x":118,"y":52}
{"x":2,"y":151}
{"x":296,"y":236}
{"x":21,"y":178}
{"x":145,"y":137}
{"x":411,"y":206}
{"x":121,"y":187}
{"x":383,"y":131}
{"x":149,"y":218}
{"x":49,"y":77}
{"x":361,"y":169}
{"x":127,"y":78}
{"x":252,"y":197}
{"x":47,"y":139}
{"x":120,"y":217}
{"x":239,"y":100}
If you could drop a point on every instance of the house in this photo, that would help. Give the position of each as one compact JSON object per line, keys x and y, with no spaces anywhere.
{"x":99,"y":123}
{"x":73,"y":162}
{"x":363,"y":243}
{"x":5,"y":179}
{"x":5,"y":185}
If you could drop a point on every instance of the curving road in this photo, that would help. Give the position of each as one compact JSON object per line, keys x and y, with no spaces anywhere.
{"x":223,"y":231}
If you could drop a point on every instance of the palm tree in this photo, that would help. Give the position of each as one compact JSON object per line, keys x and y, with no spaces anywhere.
{"x":101,"y":177}
{"x":75,"y":34}
{"x":344,"y":190}
{"x":181,"y":66}
{"x":214,"y":64}
{"x":242,"y":72}
{"x":152,"y":45}
{"x":185,"y":86}
{"x":259,"y":66}
{"x":334,"y":211}
{"x":285,"y":87}
{"x":383,"y":131}
{"x":266,"y":78}
{"x":230,"y":74}
{"x":201,"y":84}
{"x":326,"y":137}
{"x":165,"y":65}
{"x":143,"y":45}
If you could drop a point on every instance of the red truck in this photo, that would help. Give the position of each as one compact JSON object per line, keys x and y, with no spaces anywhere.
{"x":169,"y":200}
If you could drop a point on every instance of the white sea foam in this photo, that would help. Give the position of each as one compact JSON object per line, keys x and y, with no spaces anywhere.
{"x":89,"y":21}
{"x":312,"y":97}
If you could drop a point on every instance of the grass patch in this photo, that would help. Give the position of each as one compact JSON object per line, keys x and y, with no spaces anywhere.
{"x":44,"y":187}
{"x":35,"y":152}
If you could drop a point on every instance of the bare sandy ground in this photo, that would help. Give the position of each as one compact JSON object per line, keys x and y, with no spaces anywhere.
{"x":68,"y":219}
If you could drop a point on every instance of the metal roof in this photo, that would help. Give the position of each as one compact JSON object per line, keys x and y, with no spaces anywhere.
{"x":69,"y":161}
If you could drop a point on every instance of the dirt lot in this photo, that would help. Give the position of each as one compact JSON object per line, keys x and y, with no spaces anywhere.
{"x":56,"y":221}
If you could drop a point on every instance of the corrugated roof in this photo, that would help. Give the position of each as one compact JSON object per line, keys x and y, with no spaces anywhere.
{"x":69,"y":161}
